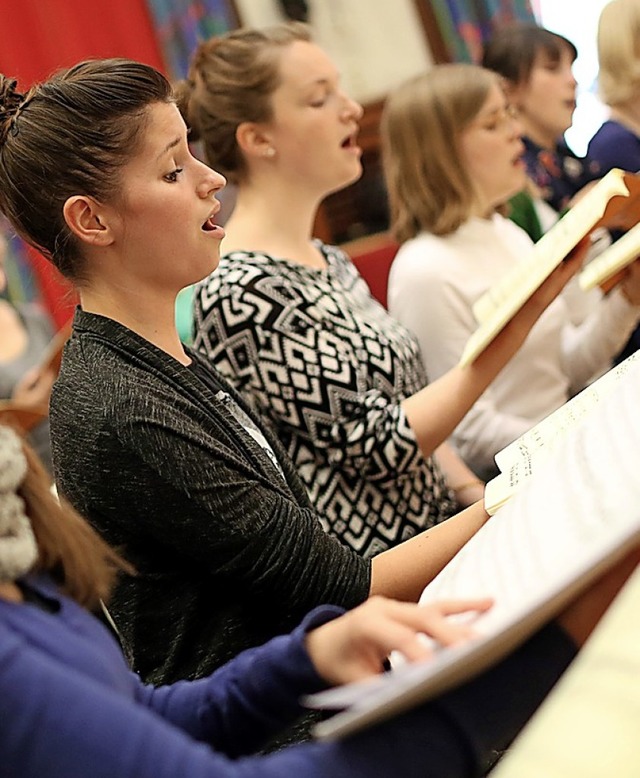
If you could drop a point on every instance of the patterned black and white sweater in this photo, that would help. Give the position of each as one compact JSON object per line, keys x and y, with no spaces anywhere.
{"x":319,"y":358}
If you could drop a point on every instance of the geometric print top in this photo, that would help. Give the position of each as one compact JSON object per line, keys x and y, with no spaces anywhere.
{"x":326,"y":366}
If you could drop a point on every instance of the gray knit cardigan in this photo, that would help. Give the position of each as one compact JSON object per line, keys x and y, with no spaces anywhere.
{"x":228,"y":552}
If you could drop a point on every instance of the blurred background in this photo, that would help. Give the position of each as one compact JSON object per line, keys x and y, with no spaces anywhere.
{"x":376,"y":43}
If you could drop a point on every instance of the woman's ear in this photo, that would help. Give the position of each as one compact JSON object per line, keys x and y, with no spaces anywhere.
{"x":254,"y":141}
{"x":86,"y":219}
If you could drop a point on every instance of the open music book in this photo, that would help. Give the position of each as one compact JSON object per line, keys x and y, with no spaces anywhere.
{"x":575,"y":517}
{"x":607,"y":265}
{"x":613,"y":202}
{"x":520,"y":459}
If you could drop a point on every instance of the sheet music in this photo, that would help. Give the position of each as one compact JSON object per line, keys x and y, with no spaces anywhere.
{"x":612,"y":259}
{"x":502,"y":301}
{"x":519,"y":460}
{"x":575,"y":518}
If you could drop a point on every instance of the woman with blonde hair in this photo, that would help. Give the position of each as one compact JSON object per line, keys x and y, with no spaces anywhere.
{"x":289,"y":320}
{"x":452,"y":153}
{"x":617,"y":142}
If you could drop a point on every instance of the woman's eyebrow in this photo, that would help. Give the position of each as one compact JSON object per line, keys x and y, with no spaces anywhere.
{"x":172,"y":144}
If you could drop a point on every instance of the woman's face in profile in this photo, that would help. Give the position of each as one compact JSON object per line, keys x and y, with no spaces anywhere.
{"x":547,"y":100}
{"x":314,"y":124}
{"x":165,"y":223}
{"x":492,"y":148}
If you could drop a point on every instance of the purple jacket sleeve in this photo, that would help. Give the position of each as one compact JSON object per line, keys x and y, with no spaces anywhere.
{"x":60,"y":723}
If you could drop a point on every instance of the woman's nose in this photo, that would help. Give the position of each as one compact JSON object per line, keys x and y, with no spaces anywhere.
{"x":352,"y":109}
{"x":517,"y":128}
{"x":212,"y":183}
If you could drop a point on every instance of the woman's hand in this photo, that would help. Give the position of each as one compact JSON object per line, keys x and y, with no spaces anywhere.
{"x":630,"y":284}
{"x":34,"y":390}
{"x":354,"y":646}
{"x":554,"y":284}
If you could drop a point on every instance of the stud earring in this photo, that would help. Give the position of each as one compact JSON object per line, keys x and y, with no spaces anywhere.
{"x":269,"y":152}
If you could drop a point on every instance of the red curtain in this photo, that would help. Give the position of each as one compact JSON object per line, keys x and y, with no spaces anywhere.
{"x":41,"y":36}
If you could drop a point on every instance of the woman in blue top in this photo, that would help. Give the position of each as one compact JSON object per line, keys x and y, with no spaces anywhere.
{"x":617,"y":142}
{"x":71,"y":708}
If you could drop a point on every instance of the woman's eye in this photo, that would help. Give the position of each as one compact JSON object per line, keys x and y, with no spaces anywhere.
{"x":173,"y":176}
{"x":321,"y":98}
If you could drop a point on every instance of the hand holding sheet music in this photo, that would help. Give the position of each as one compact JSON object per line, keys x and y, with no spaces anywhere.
{"x":574,"y":518}
{"x":613,"y":202}
{"x":606,"y":267}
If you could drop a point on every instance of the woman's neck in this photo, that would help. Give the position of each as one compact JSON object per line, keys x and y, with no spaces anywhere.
{"x":276,"y":222}
{"x":540,"y":135}
{"x":153,"y":318}
{"x":483,"y":208}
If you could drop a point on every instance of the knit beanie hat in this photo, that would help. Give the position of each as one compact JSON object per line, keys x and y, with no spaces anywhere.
{"x":18,"y":547}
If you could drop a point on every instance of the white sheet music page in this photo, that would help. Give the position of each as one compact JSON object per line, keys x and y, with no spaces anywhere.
{"x":519,"y":460}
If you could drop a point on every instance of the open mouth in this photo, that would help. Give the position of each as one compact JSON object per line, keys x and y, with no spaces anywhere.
{"x":518,"y":159}
{"x":209,"y":225}
{"x":349,"y":142}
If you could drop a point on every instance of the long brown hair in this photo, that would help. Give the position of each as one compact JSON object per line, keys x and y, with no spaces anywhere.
{"x":70,"y":135}
{"x":68,"y":548}
{"x":429,"y":186}
{"x":512,"y":50}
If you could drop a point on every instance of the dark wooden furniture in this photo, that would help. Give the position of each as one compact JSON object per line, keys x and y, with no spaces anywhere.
{"x":361,"y":209}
